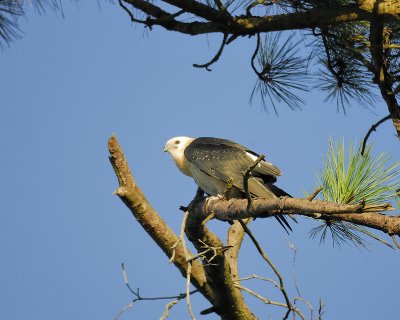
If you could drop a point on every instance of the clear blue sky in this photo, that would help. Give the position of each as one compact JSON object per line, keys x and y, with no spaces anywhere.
{"x":70,"y":83}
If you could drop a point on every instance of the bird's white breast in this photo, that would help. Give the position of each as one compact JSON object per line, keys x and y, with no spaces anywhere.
{"x":209,"y":184}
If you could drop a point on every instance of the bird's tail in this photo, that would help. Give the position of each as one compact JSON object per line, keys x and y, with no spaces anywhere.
{"x":281,"y":218}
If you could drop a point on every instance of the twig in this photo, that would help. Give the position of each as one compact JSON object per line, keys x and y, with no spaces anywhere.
{"x":291,"y":246}
{"x":308,"y":304}
{"x":299,"y":298}
{"x":247,"y":176}
{"x":216,"y":57}
{"x":188,"y":272}
{"x":320,"y":310}
{"x":373,"y":128}
{"x":265,"y":300}
{"x":136,"y":293}
{"x":130,"y":14}
{"x":315,"y":193}
{"x":189,"y":262}
{"x":253,"y":57}
{"x":128,"y":306}
{"x":271,"y":302}
{"x":168,"y":306}
{"x":254,"y":276}
{"x":207,"y":249}
{"x":270,"y":263}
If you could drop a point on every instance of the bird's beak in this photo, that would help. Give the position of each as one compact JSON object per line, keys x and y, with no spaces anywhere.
{"x":165,"y":149}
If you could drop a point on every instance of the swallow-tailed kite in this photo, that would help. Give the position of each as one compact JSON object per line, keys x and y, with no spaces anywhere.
{"x":212,"y":162}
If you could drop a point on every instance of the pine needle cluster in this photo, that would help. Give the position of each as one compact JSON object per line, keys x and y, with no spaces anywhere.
{"x":353,"y":178}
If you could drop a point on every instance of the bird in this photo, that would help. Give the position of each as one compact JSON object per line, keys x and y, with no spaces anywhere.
{"x":213,"y":162}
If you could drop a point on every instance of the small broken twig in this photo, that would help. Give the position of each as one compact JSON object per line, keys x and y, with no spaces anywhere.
{"x":315,"y":193}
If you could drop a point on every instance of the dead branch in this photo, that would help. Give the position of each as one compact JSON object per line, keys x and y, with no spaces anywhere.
{"x":216,"y":57}
{"x":271,"y":302}
{"x":168,"y":307}
{"x":254,"y":276}
{"x":138,"y":297}
{"x":373,"y":128}
{"x":281,"y":286}
{"x":314,"y":194}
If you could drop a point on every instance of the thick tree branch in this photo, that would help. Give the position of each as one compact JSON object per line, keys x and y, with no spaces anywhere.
{"x":220,"y":21}
{"x":133,"y":197}
{"x":199,"y":9}
{"x":382,"y":76}
{"x":167,"y":21}
{"x":229,"y":302}
{"x":361,"y":214}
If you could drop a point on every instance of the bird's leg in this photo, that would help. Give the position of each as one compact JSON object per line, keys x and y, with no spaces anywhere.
{"x":220,"y":197}
{"x":228,"y":189}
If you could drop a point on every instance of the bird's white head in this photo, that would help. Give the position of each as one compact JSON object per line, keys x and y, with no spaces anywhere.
{"x":176,"y":148}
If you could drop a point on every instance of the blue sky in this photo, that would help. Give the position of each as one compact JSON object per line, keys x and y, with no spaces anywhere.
{"x":70,"y":83}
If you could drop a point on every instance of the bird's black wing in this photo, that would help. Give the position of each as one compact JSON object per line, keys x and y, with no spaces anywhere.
{"x":224,"y":160}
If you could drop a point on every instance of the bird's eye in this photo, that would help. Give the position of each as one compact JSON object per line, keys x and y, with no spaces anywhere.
{"x":177,"y":142}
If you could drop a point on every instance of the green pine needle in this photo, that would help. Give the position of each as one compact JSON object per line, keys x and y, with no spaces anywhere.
{"x":353,"y":179}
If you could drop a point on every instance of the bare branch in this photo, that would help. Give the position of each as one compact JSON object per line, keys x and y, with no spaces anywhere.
{"x":168,"y":307}
{"x":254,"y":276}
{"x":263,"y":299}
{"x":281,"y":286}
{"x":271,"y":302}
{"x":140,"y":298}
{"x":216,"y":57}
{"x":253,"y":57}
{"x":373,"y":128}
